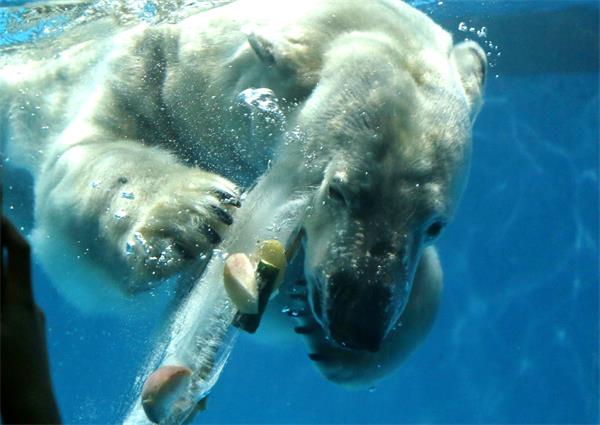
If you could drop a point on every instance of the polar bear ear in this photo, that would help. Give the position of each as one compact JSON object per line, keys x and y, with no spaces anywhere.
{"x":263,"y":47}
{"x":289,"y":54}
{"x":470,"y":61}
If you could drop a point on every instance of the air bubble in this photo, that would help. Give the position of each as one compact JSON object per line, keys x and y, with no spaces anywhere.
{"x":220,"y":254}
{"x":96,"y":183}
{"x":262,"y":99}
{"x":138,"y":237}
{"x":120,"y":214}
{"x":462,"y":27}
{"x":263,"y":110}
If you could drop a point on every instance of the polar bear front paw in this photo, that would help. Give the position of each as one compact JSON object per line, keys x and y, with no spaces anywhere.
{"x":178,"y":226}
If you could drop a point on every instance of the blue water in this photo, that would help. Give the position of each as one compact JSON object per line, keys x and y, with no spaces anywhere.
{"x":516,"y":339}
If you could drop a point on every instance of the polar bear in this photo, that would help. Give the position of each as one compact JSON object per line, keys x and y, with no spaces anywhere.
{"x":140,"y":151}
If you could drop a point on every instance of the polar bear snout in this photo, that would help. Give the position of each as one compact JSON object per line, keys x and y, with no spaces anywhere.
{"x":358,"y":291}
{"x":357,"y":314}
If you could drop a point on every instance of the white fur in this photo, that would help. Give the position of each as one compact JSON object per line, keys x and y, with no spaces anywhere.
{"x":152,"y":112}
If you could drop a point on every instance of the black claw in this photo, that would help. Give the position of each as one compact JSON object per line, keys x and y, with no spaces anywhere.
{"x":223,"y":215}
{"x":212,"y":235}
{"x":235,"y":202}
{"x":318,"y":357}
{"x":304,"y":330}
{"x":227,"y":198}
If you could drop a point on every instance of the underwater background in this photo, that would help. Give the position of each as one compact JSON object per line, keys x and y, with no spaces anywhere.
{"x":517,"y":337}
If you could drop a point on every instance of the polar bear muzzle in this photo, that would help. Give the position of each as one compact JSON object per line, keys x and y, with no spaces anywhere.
{"x":358,"y":307}
{"x":357,"y":314}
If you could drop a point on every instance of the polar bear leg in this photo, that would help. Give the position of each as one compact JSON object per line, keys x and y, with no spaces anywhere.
{"x":131,"y":210}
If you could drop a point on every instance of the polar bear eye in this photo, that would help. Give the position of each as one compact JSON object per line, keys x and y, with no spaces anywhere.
{"x":434,"y":229}
{"x":336,"y":194}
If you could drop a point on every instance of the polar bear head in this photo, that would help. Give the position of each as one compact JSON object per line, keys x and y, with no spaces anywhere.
{"x":388,"y":145}
{"x":386,"y":132}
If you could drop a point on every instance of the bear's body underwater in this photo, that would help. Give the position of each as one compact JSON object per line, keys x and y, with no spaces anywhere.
{"x":139,"y":149}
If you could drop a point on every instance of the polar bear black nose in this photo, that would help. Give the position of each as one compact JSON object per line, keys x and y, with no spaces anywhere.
{"x":356,"y":312}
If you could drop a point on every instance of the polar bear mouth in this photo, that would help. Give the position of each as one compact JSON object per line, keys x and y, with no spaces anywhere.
{"x":348,"y":320}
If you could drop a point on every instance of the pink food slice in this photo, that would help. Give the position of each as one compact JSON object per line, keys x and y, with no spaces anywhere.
{"x":162,"y":389}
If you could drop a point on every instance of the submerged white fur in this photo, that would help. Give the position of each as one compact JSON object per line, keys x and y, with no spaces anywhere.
{"x":379,"y":107}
